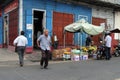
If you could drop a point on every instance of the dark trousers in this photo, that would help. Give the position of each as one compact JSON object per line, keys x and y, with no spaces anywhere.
{"x":45,"y":58}
{"x":55,"y":44}
{"x":21,"y":50}
{"x":107,"y":53}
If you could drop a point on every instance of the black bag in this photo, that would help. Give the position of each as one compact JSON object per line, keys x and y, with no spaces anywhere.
{"x":16,"y":47}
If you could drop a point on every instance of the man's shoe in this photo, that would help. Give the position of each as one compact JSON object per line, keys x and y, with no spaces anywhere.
{"x":21,"y":65}
{"x":45,"y":68}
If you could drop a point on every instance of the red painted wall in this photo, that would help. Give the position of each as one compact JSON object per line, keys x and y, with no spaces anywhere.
{"x":60,"y":20}
{"x":114,"y":42}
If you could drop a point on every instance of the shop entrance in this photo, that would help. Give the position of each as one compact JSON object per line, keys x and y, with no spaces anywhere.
{"x":38,"y":25}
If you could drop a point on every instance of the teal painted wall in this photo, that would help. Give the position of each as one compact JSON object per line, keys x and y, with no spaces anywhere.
{"x":1,"y":31}
{"x":50,"y":6}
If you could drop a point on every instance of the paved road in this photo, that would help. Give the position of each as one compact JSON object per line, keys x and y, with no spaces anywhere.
{"x":82,"y":70}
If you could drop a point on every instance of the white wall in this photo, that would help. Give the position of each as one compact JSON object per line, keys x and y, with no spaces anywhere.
{"x":117,"y":24}
{"x":117,"y":19}
{"x":112,"y":1}
{"x":105,"y":13}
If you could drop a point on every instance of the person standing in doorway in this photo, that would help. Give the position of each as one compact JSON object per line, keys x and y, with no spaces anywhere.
{"x":55,"y":41}
{"x":89,"y":40}
{"x":38,"y":34}
{"x":44,"y":43}
{"x":108,"y":41}
{"x":21,"y":42}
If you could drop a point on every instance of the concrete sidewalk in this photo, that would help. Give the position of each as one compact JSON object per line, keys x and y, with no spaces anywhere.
{"x":7,"y":55}
{"x":10,"y":58}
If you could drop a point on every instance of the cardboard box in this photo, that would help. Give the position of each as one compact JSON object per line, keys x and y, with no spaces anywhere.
{"x":94,"y":56}
{"x":84,"y":57}
{"x":66,"y":56}
{"x":75,"y":57}
{"x":57,"y":53}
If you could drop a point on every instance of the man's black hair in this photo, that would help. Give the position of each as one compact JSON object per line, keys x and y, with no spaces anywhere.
{"x":91,"y":35}
{"x":108,"y":33}
{"x":22,"y":32}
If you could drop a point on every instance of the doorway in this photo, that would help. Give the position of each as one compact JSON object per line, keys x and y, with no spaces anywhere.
{"x":38,"y":25}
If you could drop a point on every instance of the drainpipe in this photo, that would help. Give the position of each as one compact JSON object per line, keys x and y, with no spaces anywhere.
{"x":20,"y":16}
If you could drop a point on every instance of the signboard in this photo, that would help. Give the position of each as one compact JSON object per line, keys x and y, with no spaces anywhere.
{"x":83,"y":17}
{"x":29,"y":26}
{"x":13,"y":5}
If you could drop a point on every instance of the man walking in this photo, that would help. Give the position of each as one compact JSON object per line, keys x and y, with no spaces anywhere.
{"x":108,"y":41}
{"x":21,"y":42}
{"x":44,"y":42}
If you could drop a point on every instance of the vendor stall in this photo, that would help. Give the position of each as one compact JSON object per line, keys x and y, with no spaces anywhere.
{"x":83,"y":26}
{"x":76,"y":54}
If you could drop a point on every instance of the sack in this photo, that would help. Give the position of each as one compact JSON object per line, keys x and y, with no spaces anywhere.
{"x":16,"y":47}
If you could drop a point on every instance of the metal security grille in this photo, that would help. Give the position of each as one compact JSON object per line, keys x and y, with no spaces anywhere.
{"x":97,"y":21}
{"x":60,"y":20}
{"x":13,"y":26}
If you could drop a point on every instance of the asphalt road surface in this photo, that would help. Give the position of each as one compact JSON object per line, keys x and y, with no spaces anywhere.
{"x":82,"y":70}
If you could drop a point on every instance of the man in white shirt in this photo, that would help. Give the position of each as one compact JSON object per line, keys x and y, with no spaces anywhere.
{"x":21,"y":42}
{"x":108,"y":41}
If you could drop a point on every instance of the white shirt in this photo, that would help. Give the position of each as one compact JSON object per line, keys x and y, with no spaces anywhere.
{"x":45,"y":42}
{"x":55,"y":38}
{"x":108,"y":40}
{"x":21,"y":41}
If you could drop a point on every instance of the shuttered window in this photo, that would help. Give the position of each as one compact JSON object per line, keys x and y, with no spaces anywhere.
{"x":97,"y":21}
{"x":13,"y":26}
{"x":60,"y":20}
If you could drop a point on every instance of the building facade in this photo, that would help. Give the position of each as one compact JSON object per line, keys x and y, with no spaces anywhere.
{"x":32,"y":16}
{"x":117,"y":24}
{"x":103,"y":16}
{"x":9,"y":23}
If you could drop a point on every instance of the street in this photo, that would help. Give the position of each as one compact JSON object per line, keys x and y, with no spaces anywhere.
{"x":71,"y":33}
{"x":69,"y":70}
